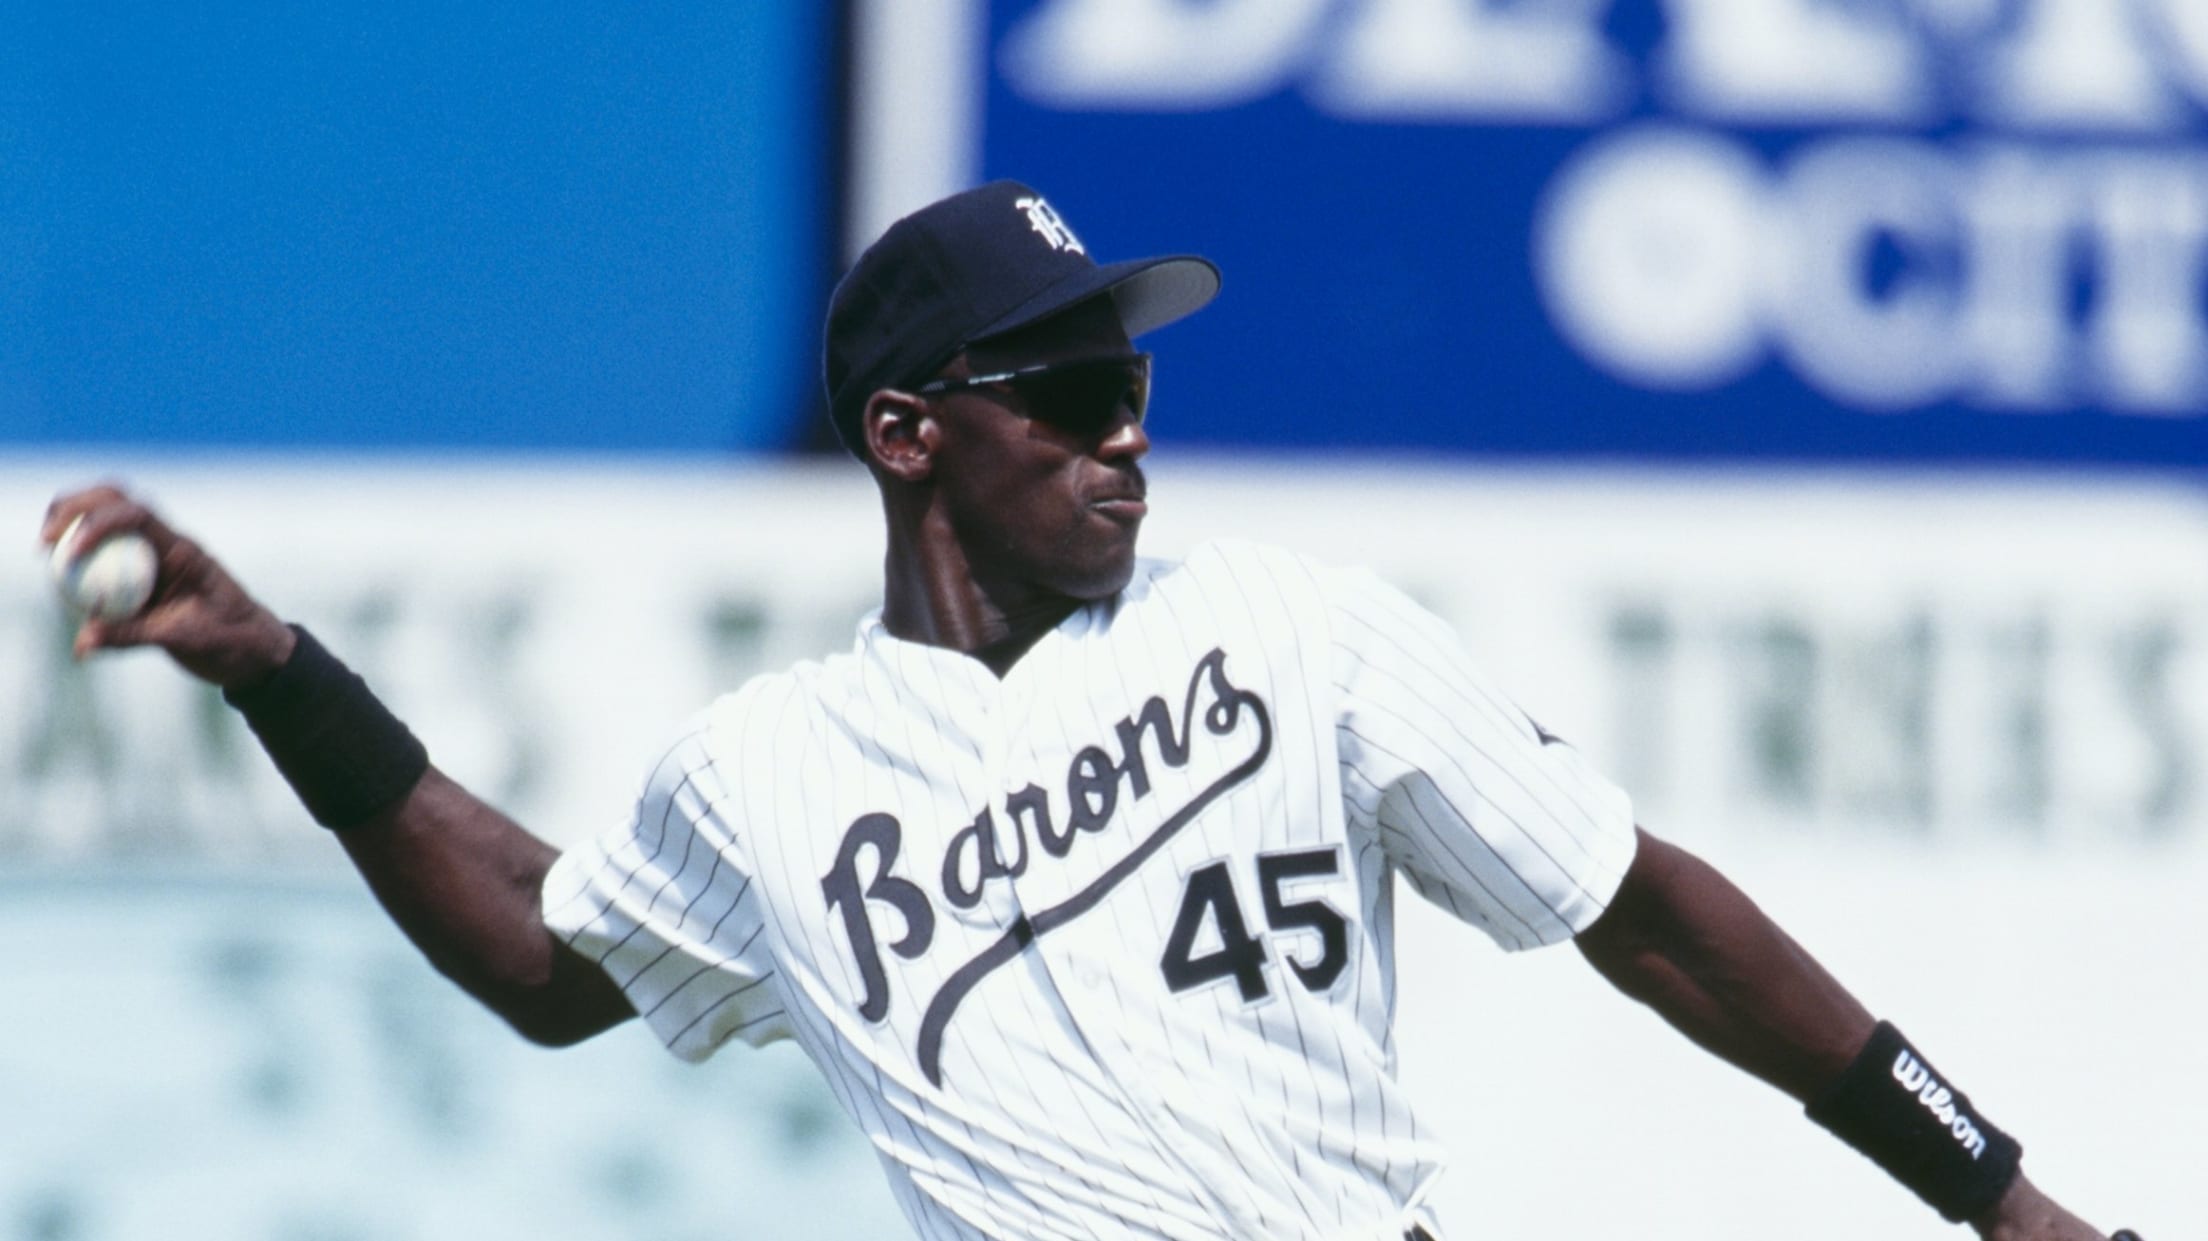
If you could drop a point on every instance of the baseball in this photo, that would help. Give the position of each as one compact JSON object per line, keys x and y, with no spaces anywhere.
{"x":110,"y":582}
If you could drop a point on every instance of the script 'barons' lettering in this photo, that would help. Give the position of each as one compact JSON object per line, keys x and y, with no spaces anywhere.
{"x":985,"y":852}
{"x":1916,"y":1078}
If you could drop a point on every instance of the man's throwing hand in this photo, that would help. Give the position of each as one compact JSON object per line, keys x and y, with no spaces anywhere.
{"x":199,"y":614}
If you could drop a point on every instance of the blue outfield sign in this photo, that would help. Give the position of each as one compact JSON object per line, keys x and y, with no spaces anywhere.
{"x":359,"y":225}
{"x":1892,"y":230}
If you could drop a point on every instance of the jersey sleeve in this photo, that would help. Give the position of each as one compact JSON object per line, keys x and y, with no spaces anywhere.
{"x":665,"y":905}
{"x":1485,"y":814}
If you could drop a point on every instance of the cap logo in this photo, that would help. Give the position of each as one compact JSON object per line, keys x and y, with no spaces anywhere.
{"x":1045,"y":221}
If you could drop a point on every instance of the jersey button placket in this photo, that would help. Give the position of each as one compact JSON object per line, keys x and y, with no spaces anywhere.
{"x":1080,"y":960}
{"x":1018,"y":765}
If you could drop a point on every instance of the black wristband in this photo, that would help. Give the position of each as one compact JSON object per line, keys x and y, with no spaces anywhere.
{"x":340,"y":748}
{"x":1895,"y":1108}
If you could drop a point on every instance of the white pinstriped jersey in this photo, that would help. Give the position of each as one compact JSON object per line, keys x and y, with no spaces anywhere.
{"x":1103,"y":949}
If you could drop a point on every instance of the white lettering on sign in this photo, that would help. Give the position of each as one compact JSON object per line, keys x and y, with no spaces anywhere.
{"x":2176,"y":33}
{"x":1792,"y":60}
{"x":2037,"y":64}
{"x":1890,"y":272}
{"x":2015,"y":245}
{"x":1873,"y":343}
{"x":1544,"y":61}
{"x":1159,"y":54}
{"x":1649,"y":257}
{"x":2077,"y":64}
{"x":2146,"y":341}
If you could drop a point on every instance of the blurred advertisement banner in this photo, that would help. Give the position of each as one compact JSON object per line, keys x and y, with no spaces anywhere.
{"x":1960,"y":230}
{"x":197,"y":1058}
{"x":1832,"y":658}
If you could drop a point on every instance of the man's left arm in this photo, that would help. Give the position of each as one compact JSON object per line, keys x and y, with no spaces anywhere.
{"x":1683,"y":940}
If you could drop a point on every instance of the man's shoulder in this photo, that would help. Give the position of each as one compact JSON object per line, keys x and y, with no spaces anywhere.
{"x":1252,"y":567}
{"x":772,"y":695}
{"x":1230,"y":557}
{"x":1309,"y":595}
{"x":1273,"y":588}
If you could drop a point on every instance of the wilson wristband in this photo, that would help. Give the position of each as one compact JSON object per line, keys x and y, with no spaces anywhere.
{"x":1895,"y":1108}
{"x":343,"y":752}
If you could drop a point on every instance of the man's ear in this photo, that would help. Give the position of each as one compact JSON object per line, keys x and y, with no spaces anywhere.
{"x":902,"y":434}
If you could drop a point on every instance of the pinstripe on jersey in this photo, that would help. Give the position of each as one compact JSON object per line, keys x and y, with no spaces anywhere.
{"x":1104,"y":949}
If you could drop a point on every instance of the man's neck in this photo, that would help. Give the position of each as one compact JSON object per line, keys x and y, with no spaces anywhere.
{"x":936,"y":600}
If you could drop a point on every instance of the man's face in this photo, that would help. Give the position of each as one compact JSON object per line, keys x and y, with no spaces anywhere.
{"x":1036,"y":505}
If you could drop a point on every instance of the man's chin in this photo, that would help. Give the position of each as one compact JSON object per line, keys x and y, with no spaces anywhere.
{"x":1105,"y":579}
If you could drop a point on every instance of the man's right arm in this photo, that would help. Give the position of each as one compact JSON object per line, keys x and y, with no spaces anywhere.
{"x":461,"y":879}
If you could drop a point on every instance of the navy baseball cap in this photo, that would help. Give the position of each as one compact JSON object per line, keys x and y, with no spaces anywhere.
{"x":979,"y":264}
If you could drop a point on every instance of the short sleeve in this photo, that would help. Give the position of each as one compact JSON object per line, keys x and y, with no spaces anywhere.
{"x":1487,"y":815}
{"x":665,"y":905}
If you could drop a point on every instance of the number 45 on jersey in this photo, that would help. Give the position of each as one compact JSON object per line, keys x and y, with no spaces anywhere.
{"x":1209,"y":900}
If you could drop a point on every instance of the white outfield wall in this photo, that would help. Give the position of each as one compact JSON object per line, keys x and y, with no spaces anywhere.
{"x":1952,"y":730}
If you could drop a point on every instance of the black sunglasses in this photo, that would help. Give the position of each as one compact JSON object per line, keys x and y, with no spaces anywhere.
{"x":1083,"y":395}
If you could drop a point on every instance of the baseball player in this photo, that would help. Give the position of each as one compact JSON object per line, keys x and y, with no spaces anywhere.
{"x":1075,"y":874}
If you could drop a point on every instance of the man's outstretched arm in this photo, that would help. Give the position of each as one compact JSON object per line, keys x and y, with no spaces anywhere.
{"x":1683,"y":940}
{"x":460,"y":878}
